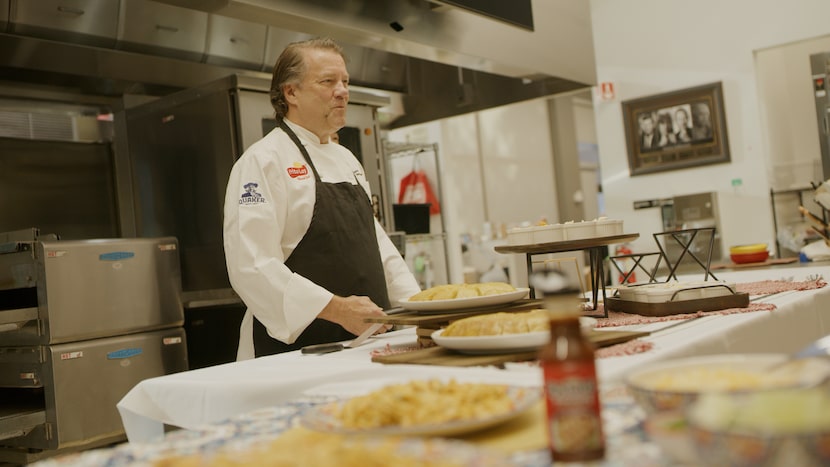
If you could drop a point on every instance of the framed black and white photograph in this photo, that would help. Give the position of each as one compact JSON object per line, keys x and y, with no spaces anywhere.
{"x":676,"y":130}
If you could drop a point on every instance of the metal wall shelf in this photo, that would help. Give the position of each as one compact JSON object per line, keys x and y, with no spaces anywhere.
{"x":400,"y":158}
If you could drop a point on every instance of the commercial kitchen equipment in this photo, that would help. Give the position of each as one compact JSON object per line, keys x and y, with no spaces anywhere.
{"x":819,"y":66}
{"x":81,"y":323}
{"x":728,"y":213}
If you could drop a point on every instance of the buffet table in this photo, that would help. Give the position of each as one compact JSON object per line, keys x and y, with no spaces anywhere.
{"x":202,"y":400}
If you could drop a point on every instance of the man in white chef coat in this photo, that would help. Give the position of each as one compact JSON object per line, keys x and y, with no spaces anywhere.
{"x":303,"y":248}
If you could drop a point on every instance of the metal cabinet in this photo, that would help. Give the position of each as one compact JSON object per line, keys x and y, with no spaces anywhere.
{"x":85,"y":21}
{"x":275,"y":41}
{"x":151,"y":27}
{"x":233,"y":42}
{"x":819,"y":70}
{"x":59,"y":398}
{"x":377,"y":68}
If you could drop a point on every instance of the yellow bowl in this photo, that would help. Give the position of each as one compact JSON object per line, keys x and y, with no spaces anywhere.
{"x":746,"y":249}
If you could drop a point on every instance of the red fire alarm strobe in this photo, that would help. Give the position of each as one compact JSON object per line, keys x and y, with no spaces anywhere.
{"x":606,"y":90}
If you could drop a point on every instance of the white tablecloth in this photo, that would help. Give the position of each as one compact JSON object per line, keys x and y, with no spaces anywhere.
{"x":800,"y":317}
{"x":196,"y":398}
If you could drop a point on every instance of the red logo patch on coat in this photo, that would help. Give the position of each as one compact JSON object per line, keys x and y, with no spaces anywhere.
{"x":298,"y":170}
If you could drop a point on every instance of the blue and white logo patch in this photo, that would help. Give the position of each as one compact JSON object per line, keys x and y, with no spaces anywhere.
{"x":250,"y":195}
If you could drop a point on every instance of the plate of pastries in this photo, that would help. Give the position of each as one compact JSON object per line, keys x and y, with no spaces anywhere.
{"x":502,"y":332}
{"x":464,"y":296}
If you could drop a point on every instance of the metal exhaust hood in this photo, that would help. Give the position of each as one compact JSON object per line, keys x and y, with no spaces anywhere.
{"x":436,"y":59}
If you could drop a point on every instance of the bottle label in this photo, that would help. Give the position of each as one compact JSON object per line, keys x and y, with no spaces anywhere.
{"x":574,"y":421}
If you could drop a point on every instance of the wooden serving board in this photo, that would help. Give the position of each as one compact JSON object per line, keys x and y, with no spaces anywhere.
{"x":567,"y":245}
{"x":680,"y":307}
{"x":446,"y":357}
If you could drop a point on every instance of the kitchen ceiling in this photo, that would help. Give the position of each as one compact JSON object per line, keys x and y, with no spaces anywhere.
{"x":435,"y":59}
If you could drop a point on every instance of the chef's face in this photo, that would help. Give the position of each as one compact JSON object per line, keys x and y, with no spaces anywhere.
{"x":318,"y":101}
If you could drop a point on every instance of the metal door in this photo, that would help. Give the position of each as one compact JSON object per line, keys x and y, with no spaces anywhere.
{"x":819,"y":64}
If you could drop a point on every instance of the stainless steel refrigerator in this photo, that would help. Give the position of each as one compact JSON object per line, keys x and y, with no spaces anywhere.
{"x":820,"y":66}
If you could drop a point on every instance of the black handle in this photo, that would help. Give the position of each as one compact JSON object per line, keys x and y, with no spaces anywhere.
{"x":318,"y":349}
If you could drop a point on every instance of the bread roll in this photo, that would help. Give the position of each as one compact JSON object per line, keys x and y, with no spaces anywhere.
{"x":496,"y":324}
{"x":494,"y":288}
{"x":453,"y":291}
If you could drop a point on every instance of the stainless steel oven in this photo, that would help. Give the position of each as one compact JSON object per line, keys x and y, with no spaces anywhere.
{"x":81,"y":323}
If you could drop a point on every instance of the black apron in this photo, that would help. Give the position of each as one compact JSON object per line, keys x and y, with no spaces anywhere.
{"x":338,"y":252}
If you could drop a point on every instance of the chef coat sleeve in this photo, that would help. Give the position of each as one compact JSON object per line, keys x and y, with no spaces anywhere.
{"x":286,"y":303}
{"x":400,"y":283}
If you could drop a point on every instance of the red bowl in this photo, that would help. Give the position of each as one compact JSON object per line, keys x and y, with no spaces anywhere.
{"x":750,"y":257}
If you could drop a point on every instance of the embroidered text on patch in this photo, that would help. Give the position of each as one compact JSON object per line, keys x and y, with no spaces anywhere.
{"x":298,"y":171}
{"x":251,"y":196}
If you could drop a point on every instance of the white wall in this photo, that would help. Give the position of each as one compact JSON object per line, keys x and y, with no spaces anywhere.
{"x":649,"y":47}
{"x":787,"y":95}
{"x":496,"y":167}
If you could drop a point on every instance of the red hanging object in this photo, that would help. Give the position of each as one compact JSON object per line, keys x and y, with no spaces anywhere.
{"x":415,"y":189}
{"x":624,"y":250}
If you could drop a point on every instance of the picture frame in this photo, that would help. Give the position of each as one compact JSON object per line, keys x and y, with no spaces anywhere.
{"x":676,"y":130}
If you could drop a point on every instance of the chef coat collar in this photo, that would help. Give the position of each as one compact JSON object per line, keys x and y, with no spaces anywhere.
{"x":306,"y":136}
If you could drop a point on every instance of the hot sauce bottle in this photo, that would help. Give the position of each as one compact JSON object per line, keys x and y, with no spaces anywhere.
{"x":574,"y":421}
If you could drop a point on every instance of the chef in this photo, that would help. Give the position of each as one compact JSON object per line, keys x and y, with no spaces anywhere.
{"x":303,"y":249}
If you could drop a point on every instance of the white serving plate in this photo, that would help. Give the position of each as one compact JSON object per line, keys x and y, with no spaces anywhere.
{"x":320,"y":418}
{"x":464,"y":303}
{"x":504,"y":343}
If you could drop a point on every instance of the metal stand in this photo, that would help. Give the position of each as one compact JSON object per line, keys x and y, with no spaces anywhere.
{"x":594,"y":246}
{"x":637,"y":258}
{"x":597,"y":278}
{"x":685,"y":238}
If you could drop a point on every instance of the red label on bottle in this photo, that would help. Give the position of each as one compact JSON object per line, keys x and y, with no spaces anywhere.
{"x":573,"y":408}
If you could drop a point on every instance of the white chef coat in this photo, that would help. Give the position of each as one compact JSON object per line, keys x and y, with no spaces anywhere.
{"x":268,"y":207}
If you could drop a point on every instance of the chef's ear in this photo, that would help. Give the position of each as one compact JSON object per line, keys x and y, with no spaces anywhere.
{"x":290,"y":93}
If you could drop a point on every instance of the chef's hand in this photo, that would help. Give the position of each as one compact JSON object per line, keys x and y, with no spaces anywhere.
{"x":350,"y":312}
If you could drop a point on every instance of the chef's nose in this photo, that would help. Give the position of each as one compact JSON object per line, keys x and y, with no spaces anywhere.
{"x":342,"y":89}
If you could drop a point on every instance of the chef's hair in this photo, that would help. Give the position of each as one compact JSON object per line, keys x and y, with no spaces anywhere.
{"x":291,"y":66}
